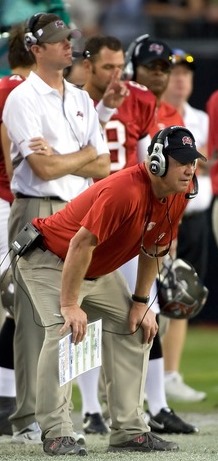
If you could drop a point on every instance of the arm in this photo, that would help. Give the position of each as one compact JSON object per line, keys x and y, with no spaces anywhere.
{"x":64,"y":160}
{"x":84,"y":162}
{"x":77,"y":261}
{"x":98,"y":168}
{"x":146,"y":274}
{"x":113,"y":98}
{"x":6,"y":144}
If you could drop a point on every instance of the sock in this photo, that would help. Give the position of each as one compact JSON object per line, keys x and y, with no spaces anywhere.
{"x":7,"y":382}
{"x":155,"y":386}
{"x":88,"y":385}
{"x":168,"y":375}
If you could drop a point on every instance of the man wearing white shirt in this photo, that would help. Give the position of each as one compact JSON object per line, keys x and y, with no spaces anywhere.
{"x":57,"y":147}
{"x":193,"y":231}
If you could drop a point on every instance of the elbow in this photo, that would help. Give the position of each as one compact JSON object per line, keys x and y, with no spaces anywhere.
{"x":104,"y":167}
{"x":105,"y":171}
{"x":47,"y":174}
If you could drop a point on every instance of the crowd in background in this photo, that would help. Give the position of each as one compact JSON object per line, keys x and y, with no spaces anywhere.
{"x":166,"y":18}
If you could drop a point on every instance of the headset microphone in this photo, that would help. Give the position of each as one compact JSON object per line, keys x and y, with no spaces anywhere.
{"x":193,"y":194}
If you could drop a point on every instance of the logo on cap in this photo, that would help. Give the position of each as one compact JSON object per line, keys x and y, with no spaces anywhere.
{"x":155,"y":47}
{"x":187,"y":140}
{"x":59,"y":24}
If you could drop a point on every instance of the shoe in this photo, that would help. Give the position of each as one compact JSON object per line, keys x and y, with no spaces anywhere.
{"x":166,"y":421}
{"x":177,"y":390}
{"x":30,"y":434}
{"x":7,"y":407}
{"x":63,"y":446}
{"x":95,"y":424}
{"x":145,"y":442}
{"x":79,"y":438}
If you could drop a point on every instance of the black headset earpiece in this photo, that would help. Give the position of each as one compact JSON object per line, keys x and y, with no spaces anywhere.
{"x":86,"y":54}
{"x":128,"y":71}
{"x":29,"y":38}
{"x":157,"y":160}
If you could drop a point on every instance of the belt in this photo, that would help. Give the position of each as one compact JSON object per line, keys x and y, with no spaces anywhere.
{"x":91,"y":279}
{"x":53,"y":197}
{"x":193,"y":213}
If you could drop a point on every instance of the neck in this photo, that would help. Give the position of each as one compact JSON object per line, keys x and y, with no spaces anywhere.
{"x":53,"y":79}
{"x":178,"y":103}
{"x":94,"y":93}
{"x":22,"y":71}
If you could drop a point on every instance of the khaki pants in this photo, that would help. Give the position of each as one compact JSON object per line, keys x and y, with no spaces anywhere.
{"x":124,"y":358}
{"x":29,"y":334}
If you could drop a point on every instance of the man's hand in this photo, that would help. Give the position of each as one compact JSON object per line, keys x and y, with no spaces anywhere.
{"x":115,"y":92}
{"x":76,"y":319}
{"x":148,"y":324}
{"x":40,"y":146}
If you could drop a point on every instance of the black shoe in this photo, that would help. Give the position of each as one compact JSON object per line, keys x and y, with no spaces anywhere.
{"x":145,"y":442}
{"x":7,"y":407}
{"x":166,"y":421}
{"x":94,"y":424}
{"x":63,"y":446}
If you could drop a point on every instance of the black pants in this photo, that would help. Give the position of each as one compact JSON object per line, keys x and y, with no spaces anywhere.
{"x":193,"y":241}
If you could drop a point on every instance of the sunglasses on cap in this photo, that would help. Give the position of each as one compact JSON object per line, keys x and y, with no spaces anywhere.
{"x":179,"y":57}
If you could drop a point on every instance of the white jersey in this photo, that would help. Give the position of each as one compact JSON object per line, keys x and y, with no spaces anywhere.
{"x":68,"y":123}
{"x":197,"y":121}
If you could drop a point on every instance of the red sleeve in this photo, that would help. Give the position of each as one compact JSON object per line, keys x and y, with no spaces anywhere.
{"x":212,"y":110}
{"x":146,"y":102}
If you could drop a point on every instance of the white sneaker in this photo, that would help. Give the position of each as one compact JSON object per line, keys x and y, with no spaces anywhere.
{"x":177,"y":390}
{"x":79,"y":438}
{"x":30,"y":434}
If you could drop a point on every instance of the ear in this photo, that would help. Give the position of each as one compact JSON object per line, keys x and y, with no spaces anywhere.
{"x":35,"y":50}
{"x":87,"y":64}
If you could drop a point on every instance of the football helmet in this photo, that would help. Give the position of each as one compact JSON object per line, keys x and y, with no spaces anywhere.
{"x":181,"y":293}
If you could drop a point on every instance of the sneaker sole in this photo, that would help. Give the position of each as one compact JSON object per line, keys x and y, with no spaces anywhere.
{"x":112,"y":449}
{"x":80,"y":452}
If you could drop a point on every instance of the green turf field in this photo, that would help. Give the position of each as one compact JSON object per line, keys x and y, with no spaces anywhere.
{"x":199,"y":367}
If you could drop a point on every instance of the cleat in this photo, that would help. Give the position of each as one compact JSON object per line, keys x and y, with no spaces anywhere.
{"x":166,"y":421}
{"x":178,"y":391}
{"x":95,"y":424}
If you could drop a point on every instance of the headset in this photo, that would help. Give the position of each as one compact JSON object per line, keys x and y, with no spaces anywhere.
{"x":158,"y":161}
{"x":128,"y":71}
{"x":29,"y":38}
{"x":82,"y":54}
